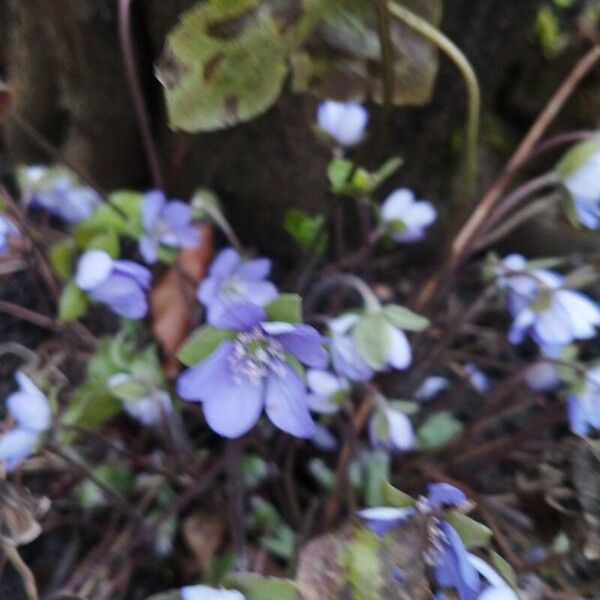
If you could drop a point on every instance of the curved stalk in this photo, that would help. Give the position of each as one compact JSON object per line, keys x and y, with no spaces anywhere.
{"x":455,"y":54}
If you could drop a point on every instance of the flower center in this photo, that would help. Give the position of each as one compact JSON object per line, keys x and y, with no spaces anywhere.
{"x":160,"y":228}
{"x":254,"y":354}
{"x":233,"y":287}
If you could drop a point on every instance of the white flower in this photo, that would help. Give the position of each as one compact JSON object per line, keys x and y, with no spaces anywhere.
{"x":584,"y":186}
{"x":542,"y":308}
{"x":405,"y":217}
{"x":30,"y":409}
{"x":391,"y":429}
{"x":345,"y":122}
{"x":204,"y":592}
{"x":326,"y":390}
{"x":584,"y":404}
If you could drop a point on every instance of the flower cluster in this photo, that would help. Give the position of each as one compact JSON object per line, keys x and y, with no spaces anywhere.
{"x":120,"y":284}
{"x":31,"y":412}
{"x":454,"y":566}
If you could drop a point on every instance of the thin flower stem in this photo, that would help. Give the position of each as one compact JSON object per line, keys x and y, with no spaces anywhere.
{"x":453,"y":52}
{"x":137,"y":95}
{"x":12,"y":554}
{"x":550,"y":179}
{"x":222,"y":223}
{"x":25,"y":314}
{"x":528,"y":212}
{"x":387,"y":59}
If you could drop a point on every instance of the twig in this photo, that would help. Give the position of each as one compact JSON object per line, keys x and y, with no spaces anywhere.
{"x":137,"y":96}
{"x":24,"y":571}
{"x":25,"y":314}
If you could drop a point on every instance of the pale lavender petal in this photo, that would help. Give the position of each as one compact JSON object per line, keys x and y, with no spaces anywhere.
{"x":30,"y":411}
{"x":240,"y":316}
{"x":177,"y":214}
{"x":152,"y":205}
{"x":582,"y":313}
{"x":347,"y":361}
{"x":225,"y":263}
{"x":187,"y":237}
{"x":15,"y":446}
{"x":204,"y":592}
{"x":550,"y":328}
{"x":399,"y":352}
{"x":255,"y":269}
{"x":444,"y":494}
{"x":148,"y":248}
{"x":323,"y":439}
{"x":286,"y":403}
{"x":306,"y":344}
{"x":139,"y":273}
{"x":234,"y":406}
{"x":93,"y":268}
{"x":260,"y":292}
{"x":198,"y":383}
{"x":207,"y":291}
{"x":381,"y":519}
{"x":123,"y":295}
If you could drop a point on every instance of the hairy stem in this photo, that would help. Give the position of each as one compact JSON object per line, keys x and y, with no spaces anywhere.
{"x":453,"y":52}
{"x":12,"y":554}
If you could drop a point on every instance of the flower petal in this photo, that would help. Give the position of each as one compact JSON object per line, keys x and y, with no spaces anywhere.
{"x":30,"y":411}
{"x":123,"y":295}
{"x":148,"y":248}
{"x":137,"y":272}
{"x":204,"y":592}
{"x":286,"y":403}
{"x":93,"y":268}
{"x":225,"y":263}
{"x":177,"y":214}
{"x":255,"y":269}
{"x":347,"y":361}
{"x":240,"y":316}
{"x":399,"y":352}
{"x":151,"y":206}
{"x":306,"y":344}
{"x":15,"y":446}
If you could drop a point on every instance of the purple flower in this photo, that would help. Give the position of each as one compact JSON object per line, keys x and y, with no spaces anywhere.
{"x":584,"y":404}
{"x":120,"y":284}
{"x":345,"y":122}
{"x":477,"y":378}
{"x":232,"y":281}
{"x":323,"y":439}
{"x":252,"y":371}
{"x":381,"y":519}
{"x":7,"y":230}
{"x":31,"y":412}
{"x":550,"y":314}
{"x":166,"y":223}
{"x":346,"y":358}
{"x":58,"y":191}
{"x":440,"y":495}
{"x":405,"y":217}
{"x":390,"y":429}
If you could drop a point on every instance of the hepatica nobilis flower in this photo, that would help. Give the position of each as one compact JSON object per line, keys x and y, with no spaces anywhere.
{"x":345,"y":122}
{"x":31,"y":412}
{"x":120,"y":284}
{"x":580,"y":170}
{"x":232,"y":280}
{"x":167,"y":223}
{"x":390,"y":428}
{"x":405,"y":218}
{"x":58,"y":191}
{"x":327,"y":391}
{"x":584,"y":403}
{"x":255,"y":366}
{"x":541,"y":307}
{"x":7,"y":230}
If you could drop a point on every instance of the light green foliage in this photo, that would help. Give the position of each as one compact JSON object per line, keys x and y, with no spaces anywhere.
{"x":438,"y":430}
{"x":363,"y":566}
{"x":548,"y":32}
{"x":394,"y":497}
{"x":305,"y":228}
{"x":471,"y":532}
{"x":576,"y":156}
{"x":201,"y":344}
{"x":378,"y":472}
{"x":227,"y":60}
{"x":504,"y":569}
{"x":72,"y":304}
{"x":372,"y":338}
{"x":404,"y":318}
{"x":62,"y":257}
{"x":113,"y":476}
{"x":258,"y":587}
{"x":347,"y":179}
{"x":286,"y":308}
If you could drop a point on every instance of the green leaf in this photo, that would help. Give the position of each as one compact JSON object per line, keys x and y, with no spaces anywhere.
{"x":386,"y":170}
{"x":471,"y":532}
{"x":113,"y":476}
{"x":372,"y":338}
{"x":576,"y":156}
{"x":339,"y":171}
{"x":202,"y":343}
{"x":363,"y":565}
{"x":61,"y":256}
{"x":406,"y":319}
{"x":286,"y":308}
{"x":342,"y":58}
{"x":378,"y":472}
{"x":130,"y":389}
{"x":91,"y":406}
{"x":226,"y":62}
{"x":72,"y":304}
{"x":305,"y":228}
{"x":257,"y":587}
{"x":438,"y":430}
{"x":109,"y":242}
{"x":504,"y":568}
{"x":394,"y":497}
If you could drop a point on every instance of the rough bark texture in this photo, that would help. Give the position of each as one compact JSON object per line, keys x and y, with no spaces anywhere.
{"x":64,"y":57}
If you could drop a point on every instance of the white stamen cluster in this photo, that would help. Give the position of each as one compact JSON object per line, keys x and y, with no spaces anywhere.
{"x":254,"y":354}
{"x":436,"y":538}
{"x":233,"y":287}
